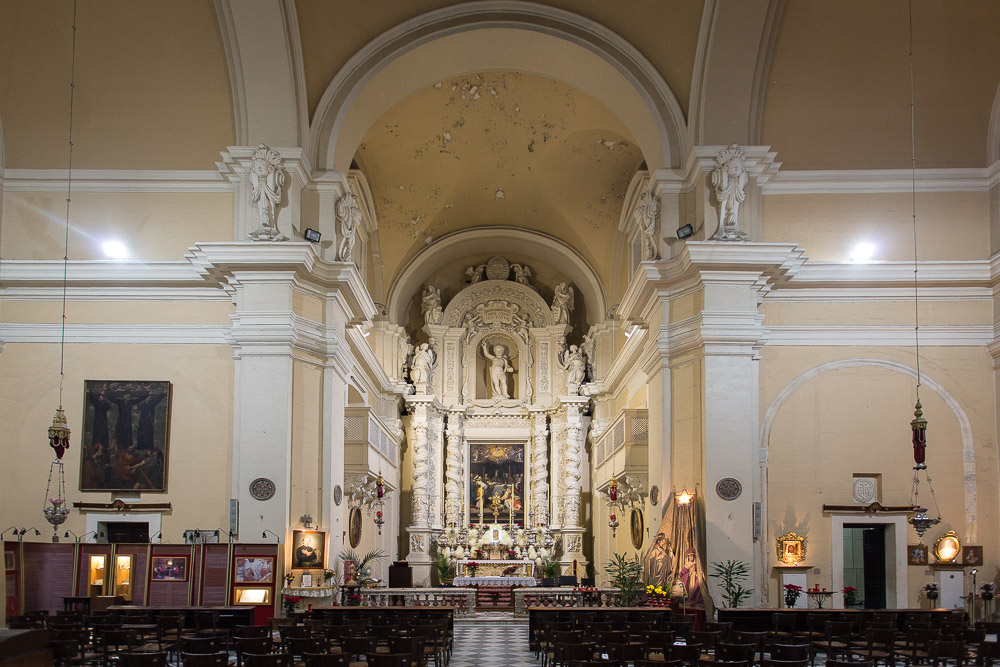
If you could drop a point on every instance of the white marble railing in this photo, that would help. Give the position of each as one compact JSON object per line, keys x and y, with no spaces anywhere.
{"x":462,"y":599}
{"x":562,"y":597}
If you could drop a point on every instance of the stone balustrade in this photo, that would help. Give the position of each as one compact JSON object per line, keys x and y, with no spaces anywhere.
{"x":462,"y":599}
{"x":563,"y":597}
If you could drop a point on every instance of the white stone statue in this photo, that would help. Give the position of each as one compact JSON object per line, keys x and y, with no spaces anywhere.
{"x":729,"y":178}
{"x":646,"y":215}
{"x":574,"y":362}
{"x":562,"y":303}
{"x":499,"y":368}
{"x":267,"y":181}
{"x":475,"y":273}
{"x":521,"y":273}
{"x":430,"y":304}
{"x":349,"y":217}
{"x":420,"y":367}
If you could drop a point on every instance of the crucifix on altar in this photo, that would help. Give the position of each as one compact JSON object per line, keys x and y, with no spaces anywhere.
{"x":495,"y":505}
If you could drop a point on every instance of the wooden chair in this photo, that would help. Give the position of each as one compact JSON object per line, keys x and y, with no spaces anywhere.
{"x":267,"y":660}
{"x":412,"y":644}
{"x":767,"y":662}
{"x":298,"y":645}
{"x":782,"y":626}
{"x":151,"y":659}
{"x":947,"y":653}
{"x":689,"y":654}
{"x":202,"y":645}
{"x":251,"y":645}
{"x":879,"y":645}
{"x":625,"y":654}
{"x":989,"y":652}
{"x":848,"y":663}
{"x":66,"y":652}
{"x":757,"y":639}
{"x":726,"y":652}
{"x":655,"y":663}
{"x":725,"y":663}
{"x":251,"y":631}
{"x":915,"y":645}
{"x":326,"y":659}
{"x":220,"y":659}
{"x":390,"y":659}
{"x":836,"y":640}
{"x":357,"y":646}
{"x":116,"y":642}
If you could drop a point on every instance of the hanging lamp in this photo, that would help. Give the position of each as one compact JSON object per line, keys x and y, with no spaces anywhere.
{"x":920,"y":520}
{"x":54,"y":508}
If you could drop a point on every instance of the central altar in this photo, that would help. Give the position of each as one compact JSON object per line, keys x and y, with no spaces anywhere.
{"x":495,"y":568}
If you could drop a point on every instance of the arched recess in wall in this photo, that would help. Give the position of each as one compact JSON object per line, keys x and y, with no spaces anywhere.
{"x":500,"y":240}
{"x":494,"y":35}
{"x":965,"y":428}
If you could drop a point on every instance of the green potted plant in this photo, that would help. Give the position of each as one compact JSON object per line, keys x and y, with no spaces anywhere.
{"x":363,"y":565}
{"x":626,"y":576}
{"x":931,"y":592}
{"x":443,"y":565}
{"x":732,"y":573}
{"x":550,"y":569}
{"x":850,"y":597}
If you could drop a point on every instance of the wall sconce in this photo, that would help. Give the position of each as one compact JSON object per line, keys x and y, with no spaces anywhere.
{"x":369,"y":493}
{"x":622,"y":496}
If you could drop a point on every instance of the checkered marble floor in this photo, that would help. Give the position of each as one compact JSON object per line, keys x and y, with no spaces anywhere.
{"x":489,"y":645}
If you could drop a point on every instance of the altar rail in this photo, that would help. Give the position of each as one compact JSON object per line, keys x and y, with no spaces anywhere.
{"x":462,"y":599}
{"x":562,"y":597}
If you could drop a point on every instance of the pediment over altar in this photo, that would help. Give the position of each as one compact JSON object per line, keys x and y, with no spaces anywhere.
{"x":491,"y":302}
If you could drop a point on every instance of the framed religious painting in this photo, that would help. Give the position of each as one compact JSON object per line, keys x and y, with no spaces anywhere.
{"x":126,"y":429}
{"x":496,"y":483}
{"x":916,"y":554}
{"x":354,"y":527}
{"x":308,"y":549}
{"x":637,"y":529}
{"x":254,"y":570}
{"x":169,"y":568}
{"x":972,"y":555}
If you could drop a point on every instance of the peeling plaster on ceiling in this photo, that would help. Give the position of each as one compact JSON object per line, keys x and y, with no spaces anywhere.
{"x":498,"y":148}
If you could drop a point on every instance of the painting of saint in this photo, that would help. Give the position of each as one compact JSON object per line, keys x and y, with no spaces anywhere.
{"x":307,"y":548}
{"x":496,"y":471}
{"x":125,"y":435}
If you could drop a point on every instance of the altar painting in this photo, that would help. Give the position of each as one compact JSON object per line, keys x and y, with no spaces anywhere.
{"x":496,"y":470}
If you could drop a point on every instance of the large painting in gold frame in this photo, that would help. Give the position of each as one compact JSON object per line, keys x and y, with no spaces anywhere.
{"x":496,"y":470}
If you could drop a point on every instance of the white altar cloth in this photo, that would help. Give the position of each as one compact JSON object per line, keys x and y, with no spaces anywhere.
{"x":494,"y":581}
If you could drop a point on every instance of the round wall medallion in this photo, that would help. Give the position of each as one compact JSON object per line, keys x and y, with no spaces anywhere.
{"x":262,"y":488}
{"x":338,"y":495}
{"x":654,"y":495}
{"x":729,"y":488}
{"x":497,"y":268}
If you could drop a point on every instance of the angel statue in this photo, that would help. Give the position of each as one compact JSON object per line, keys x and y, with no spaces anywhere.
{"x":521,"y":273}
{"x":430,"y":304}
{"x":562,"y":303}
{"x":420,"y":367}
{"x":729,"y":179}
{"x":574,"y":362}
{"x":267,"y":180}
{"x":499,"y":367}
{"x":475,"y":273}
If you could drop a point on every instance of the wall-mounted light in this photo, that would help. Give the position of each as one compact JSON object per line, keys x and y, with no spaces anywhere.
{"x":863,"y":252}
{"x":685,"y":231}
{"x":684,"y":498}
{"x":115,"y":250}
{"x":312,"y":235}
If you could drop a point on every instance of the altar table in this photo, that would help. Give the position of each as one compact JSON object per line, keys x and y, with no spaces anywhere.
{"x":494,"y":581}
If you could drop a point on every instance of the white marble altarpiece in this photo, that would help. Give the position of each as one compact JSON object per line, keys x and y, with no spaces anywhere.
{"x":493,"y":410}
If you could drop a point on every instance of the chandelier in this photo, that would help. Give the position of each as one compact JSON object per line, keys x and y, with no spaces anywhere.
{"x":54,"y":508}
{"x":622,"y":496}
{"x":369,"y":493}
{"x":920,"y":520}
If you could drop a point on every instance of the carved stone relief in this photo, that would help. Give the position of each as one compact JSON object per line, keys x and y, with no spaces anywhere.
{"x":729,"y":181}
{"x":267,"y":183}
{"x":349,"y":219}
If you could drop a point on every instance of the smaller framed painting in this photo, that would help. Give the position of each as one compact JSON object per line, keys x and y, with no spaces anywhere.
{"x":637,"y":528}
{"x":169,"y":568}
{"x":354,"y":527}
{"x":254,"y":570}
{"x":308,"y":549}
{"x":8,"y":560}
{"x":307,"y":581}
{"x":972,"y":555}
{"x":916,"y":554}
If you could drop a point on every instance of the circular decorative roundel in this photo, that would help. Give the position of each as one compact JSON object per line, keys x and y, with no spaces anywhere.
{"x":654,"y":495}
{"x":497,"y":268}
{"x":338,"y":495}
{"x":729,"y":488}
{"x":262,"y":488}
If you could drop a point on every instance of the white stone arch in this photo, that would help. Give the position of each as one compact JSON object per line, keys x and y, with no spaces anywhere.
{"x":497,"y":35}
{"x":536,"y":245}
{"x":968,"y":448}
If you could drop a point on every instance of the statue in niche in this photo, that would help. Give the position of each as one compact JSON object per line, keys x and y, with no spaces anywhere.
{"x":499,"y":368}
{"x":562,"y":303}
{"x":521,"y":273}
{"x":420,"y":367}
{"x":729,"y":179}
{"x":475,"y":273}
{"x":267,"y":180}
{"x":574,"y":362}
{"x":589,"y":347}
{"x":349,"y":215}
{"x":430,"y":303}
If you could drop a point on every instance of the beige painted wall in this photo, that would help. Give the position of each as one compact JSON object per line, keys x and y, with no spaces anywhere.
{"x":950,"y":225}
{"x":200,"y":448}
{"x":856,"y":420}
{"x":153,"y":226}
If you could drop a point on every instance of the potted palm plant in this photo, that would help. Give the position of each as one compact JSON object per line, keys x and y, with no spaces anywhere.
{"x":550,"y":569}
{"x":626,"y":576}
{"x":733,"y":573}
{"x":443,"y":565}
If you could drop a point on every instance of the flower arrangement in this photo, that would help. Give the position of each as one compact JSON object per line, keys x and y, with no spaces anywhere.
{"x":792,"y":593}
{"x":987,"y":590}
{"x":328,"y":575}
{"x":850,"y":596}
{"x":655,"y":596}
{"x":931,"y":591}
{"x":471,"y":568}
{"x":289,"y":578}
{"x":289,"y":602}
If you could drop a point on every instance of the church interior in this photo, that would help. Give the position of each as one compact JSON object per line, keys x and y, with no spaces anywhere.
{"x":333,"y":298}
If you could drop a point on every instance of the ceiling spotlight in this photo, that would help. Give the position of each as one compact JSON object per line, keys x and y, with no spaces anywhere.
{"x":312,"y":235}
{"x":685,"y":231}
{"x":863,"y":252}
{"x":115,"y":250}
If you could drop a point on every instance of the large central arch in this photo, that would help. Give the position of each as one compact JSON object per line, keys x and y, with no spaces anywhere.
{"x":492,"y":35}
